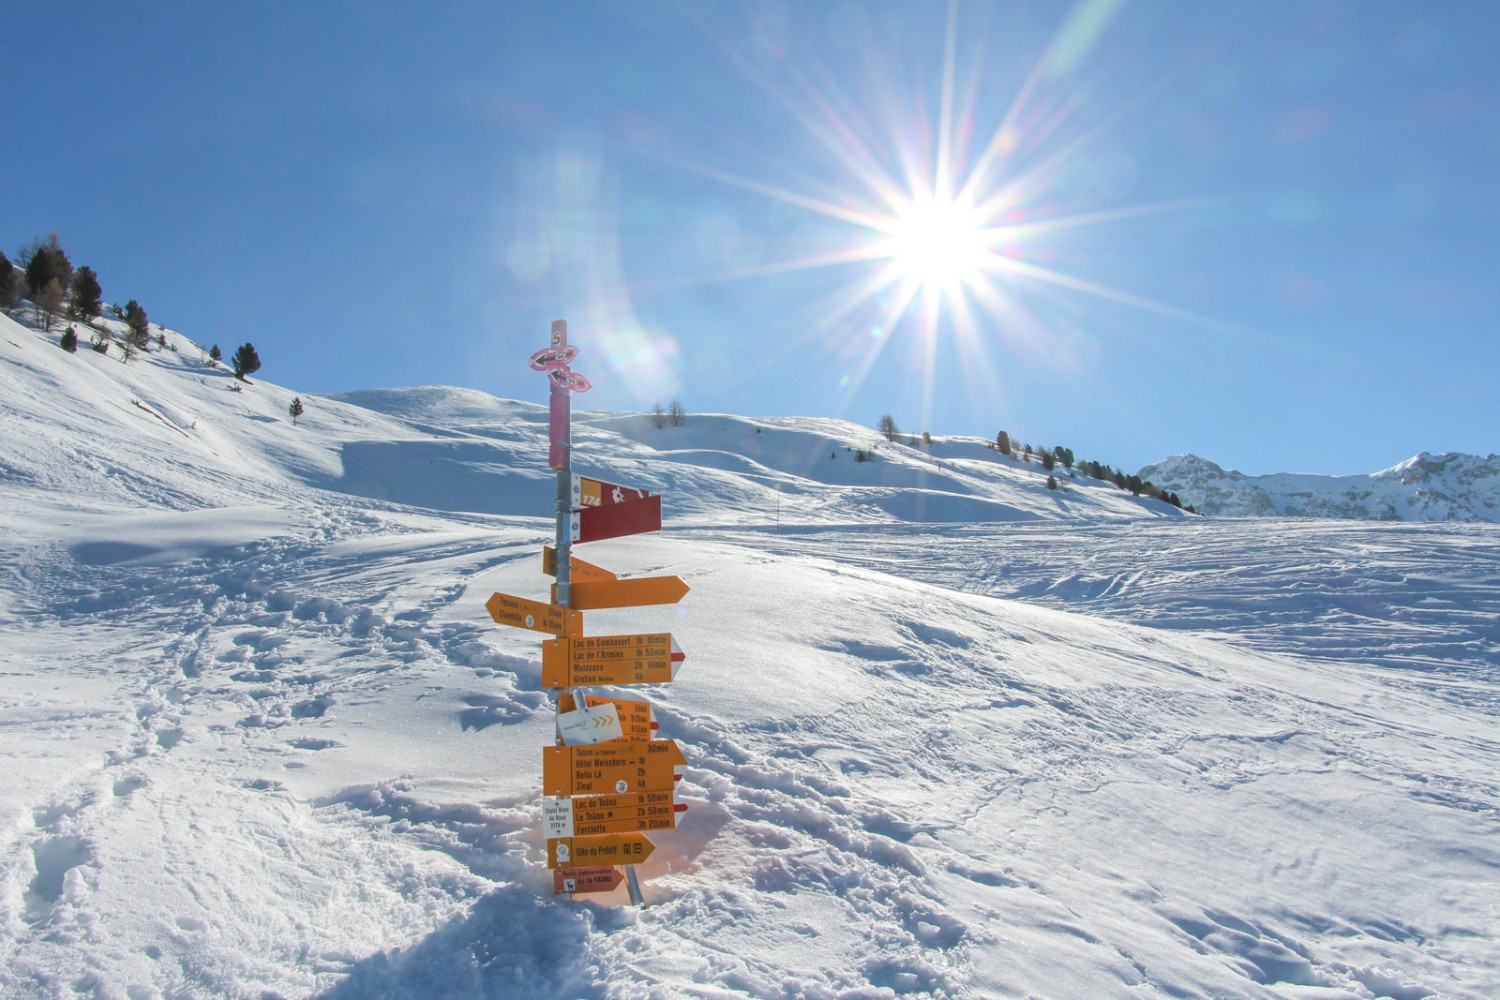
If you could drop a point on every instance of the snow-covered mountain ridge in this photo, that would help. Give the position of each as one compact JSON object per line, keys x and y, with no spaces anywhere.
{"x":950,"y":733}
{"x":1426,"y":487}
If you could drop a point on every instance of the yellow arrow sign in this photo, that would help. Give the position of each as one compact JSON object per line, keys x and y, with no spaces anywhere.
{"x":535,"y":615}
{"x":595,"y":815}
{"x":582,"y":572}
{"x":591,"y":661}
{"x":615,"y":849}
{"x":635,"y":592}
{"x":613,"y":768}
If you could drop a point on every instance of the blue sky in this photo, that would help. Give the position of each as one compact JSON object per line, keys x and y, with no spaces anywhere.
{"x":1261,"y":232}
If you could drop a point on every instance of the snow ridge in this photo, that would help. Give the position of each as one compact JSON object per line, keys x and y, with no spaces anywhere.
{"x":1447,"y":487}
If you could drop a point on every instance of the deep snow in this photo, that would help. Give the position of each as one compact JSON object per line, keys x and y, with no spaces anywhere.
{"x":949,"y":732}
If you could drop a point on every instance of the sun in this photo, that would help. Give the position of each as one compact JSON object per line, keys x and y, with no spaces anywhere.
{"x":937,"y":243}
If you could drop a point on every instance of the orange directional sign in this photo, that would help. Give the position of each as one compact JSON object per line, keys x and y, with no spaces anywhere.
{"x":590,"y":661}
{"x":615,"y":849}
{"x":612,"y":768}
{"x":594,"y":815}
{"x":535,"y":615}
{"x":632,"y":593}
{"x":592,"y":524}
{"x":577,"y":880}
{"x":596,"y":493}
{"x":581,"y":572}
{"x":634,"y":716}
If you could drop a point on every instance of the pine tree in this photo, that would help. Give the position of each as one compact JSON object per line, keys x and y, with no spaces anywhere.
{"x":888,"y":427}
{"x":140,"y":326}
{"x":215,"y":355}
{"x":246,"y":361}
{"x":1002,"y":441}
{"x":1048,"y":461}
{"x":10,"y":277}
{"x":1051,"y":482}
{"x":69,"y":341}
{"x":296,"y":409}
{"x":45,"y":263}
{"x":85,"y":302}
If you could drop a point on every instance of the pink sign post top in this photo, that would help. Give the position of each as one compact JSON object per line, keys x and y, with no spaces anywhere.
{"x":554,"y":360}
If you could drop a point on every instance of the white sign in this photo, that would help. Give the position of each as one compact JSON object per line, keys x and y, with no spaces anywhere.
{"x":557,"y":818}
{"x":586,"y":726}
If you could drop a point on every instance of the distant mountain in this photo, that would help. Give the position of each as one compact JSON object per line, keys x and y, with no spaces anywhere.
{"x":1447,"y":487}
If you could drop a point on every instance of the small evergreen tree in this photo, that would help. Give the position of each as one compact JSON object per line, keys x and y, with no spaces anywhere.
{"x":245,"y":361}
{"x":1002,"y":441}
{"x":888,"y":428}
{"x":1048,"y":461}
{"x":140,"y":326}
{"x":927,"y":438}
{"x":214,"y":355}
{"x":1051,"y":482}
{"x":1133,"y":484}
{"x":69,"y":341}
{"x":45,"y":263}
{"x":10,"y":277}
{"x":85,"y":301}
{"x":296,"y":409}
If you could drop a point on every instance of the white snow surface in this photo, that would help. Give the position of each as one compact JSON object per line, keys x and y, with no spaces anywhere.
{"x":950,"y":733}
{"x":1447,"y":487}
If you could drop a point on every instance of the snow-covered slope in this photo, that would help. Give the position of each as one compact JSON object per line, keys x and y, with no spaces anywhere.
{"x":949,"y":733}
{"x":1447,"y":487}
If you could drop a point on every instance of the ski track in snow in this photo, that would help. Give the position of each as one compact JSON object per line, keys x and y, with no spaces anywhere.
{"x":273,"y":746}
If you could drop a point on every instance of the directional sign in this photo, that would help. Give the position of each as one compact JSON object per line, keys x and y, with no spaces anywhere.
{"x":595,"y":815}
{"x":577,"y":880}
{"x":535,"y":615}
{"x":636,"y":592}
{"x":596,"y":493}
{"x":613,"y":768}
{"x":615,"y":849}
{"x":581,"y":572}
{"x":588,"y":725}
{"x":634,"y":716}
{"x":615,"y":520}
{"x":590,"y":661}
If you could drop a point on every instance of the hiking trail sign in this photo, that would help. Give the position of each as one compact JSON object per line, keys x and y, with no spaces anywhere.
{"x":607,"y":778}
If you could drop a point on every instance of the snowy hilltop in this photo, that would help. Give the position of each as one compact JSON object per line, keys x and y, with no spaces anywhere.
{"x":1447,"y":487}
{"x":950,"y":732}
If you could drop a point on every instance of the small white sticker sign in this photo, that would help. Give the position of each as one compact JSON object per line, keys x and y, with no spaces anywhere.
{"x":557,"y":818}
{"x":586,"y":726}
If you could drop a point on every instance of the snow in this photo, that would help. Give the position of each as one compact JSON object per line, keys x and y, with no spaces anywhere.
{"x":950,"y":733}
{"x":1425,"y":487}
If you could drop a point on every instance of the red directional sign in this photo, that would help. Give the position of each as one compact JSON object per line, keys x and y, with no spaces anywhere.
{"x":597,"y":493}
{"x":616,"y":520}
{"x":577,"y":880}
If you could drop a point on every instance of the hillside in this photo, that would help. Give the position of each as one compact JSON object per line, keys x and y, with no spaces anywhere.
{"x":1447,"y":487}
{"x":949,"y":733}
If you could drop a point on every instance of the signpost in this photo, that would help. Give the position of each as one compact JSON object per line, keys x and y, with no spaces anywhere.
{"x":576,"y":880}
{"x":616,"y":520}
{"x":606,"y":780}
{"x":539,"y":617}
{"x":613,"y":768}
{"x":610,"y":659}
{"x":614,"y":849}
{"x":635,"y":592}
